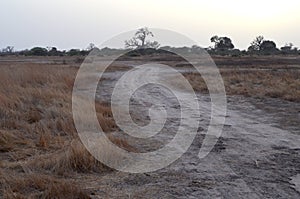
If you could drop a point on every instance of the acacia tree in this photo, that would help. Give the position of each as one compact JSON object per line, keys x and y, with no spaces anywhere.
{"x":140,"y":40}
{"x":222,"y":43}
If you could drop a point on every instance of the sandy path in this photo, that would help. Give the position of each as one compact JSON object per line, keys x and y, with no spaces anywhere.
{"x":252,"y":158}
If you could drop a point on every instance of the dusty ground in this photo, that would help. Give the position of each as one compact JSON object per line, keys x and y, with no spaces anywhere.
{"x":257,"y":156}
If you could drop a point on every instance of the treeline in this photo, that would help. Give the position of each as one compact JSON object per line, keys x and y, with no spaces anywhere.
{"x":41,"y":51}
{"x":221,"y":46}
{"x":259,"y":46}
{"x":53,"y":51}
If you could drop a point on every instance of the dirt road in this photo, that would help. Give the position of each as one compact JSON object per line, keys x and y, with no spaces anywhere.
{"x":253,"y":158}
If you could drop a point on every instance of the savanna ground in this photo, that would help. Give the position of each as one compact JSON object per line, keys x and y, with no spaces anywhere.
{"x":40,"y":149}
{"x":265,"y":77}
{"x":41,"y":154}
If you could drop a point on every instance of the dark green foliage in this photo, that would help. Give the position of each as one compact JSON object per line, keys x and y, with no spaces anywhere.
{"x":222,"y":43}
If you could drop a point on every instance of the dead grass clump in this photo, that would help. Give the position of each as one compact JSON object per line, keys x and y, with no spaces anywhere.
{"x":17,"y":185}
{"x":105,"y":117}
{"x":197,"y":82}
{"x":65,"y":126}
{"x":34,"y":115}
{"x":77,"y":158}
{"x":10,"y":141}
{"x":73,"y":158}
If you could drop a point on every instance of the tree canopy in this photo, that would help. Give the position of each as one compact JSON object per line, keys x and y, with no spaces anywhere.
{"x":140,"y":40}
{"x":222,"y":43}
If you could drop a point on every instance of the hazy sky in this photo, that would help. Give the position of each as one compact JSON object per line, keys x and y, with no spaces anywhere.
{"x":76,"y":23}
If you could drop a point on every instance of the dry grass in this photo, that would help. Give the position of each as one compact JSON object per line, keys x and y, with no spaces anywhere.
{"x":33,"y":185}
{"x":40,"y":150}
{"x":283,"y":84}
{"x":38,"y":140}
{"x":71,"y":158}
{"x":105,"y":116}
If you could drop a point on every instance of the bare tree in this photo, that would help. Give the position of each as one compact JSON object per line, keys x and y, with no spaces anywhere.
{"x":140,"y":40}
{"x":256,"y":43}
{"x":8,"y":49}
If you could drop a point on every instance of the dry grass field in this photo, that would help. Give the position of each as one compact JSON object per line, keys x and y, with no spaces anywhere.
{"x":41,"y":153}
{"x":255,"y":83}
{"x":275,"y":78}
{"x":39,"y":146}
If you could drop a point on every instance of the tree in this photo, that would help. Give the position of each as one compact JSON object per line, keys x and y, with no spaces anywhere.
{"x":73,"y":52}
{"x":222,"y":43}
{"x":268,"y":46}
{"x":256,"y":43}
{"x":8,"y":50}
{"x":260,"y":45}
{"x":90,"y":47}
{"x":140,"y":40}
{"x":287,"y":47}
{"x":38,"y":51}
{"x":54,"y":52}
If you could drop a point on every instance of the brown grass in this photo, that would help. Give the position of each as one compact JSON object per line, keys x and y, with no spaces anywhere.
{"x":33,"y":185}
{"x":105,"y":117}
{"x":72,"y":158}
{"x":283,"y":84}
{"x":38,"y":140}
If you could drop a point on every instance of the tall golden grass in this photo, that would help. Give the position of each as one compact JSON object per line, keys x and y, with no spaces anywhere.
{"x":39,"y":145}
{"x":36,"y":185}
{"x":283,"y":84}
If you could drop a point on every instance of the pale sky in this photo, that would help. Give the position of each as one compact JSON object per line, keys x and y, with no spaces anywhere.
{"x":76,"y":23}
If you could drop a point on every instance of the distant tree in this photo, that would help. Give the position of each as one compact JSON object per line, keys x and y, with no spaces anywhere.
{"x":140,"y":40}
{"x":93,"y":50}
{"x":235,"y":53}
{"x":256,"y":43}
{"x":268,"y":46}
{"x":38,"y":51}
{"x":84,"y":52}
{"x":90,"y":47}
{"x":54,"y":52}
{"x":222,"y":43}
{"x":289,"y":49}
{"x":9,"y":49}
{"x":24,"y":52}
{"x":261,"y":46}
{"x":48,"y":48}
{"x":215,"y":39}
{"x":73,"y":52}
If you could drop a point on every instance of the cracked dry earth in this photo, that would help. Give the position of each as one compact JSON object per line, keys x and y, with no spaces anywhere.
{"x":253,"y":158}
